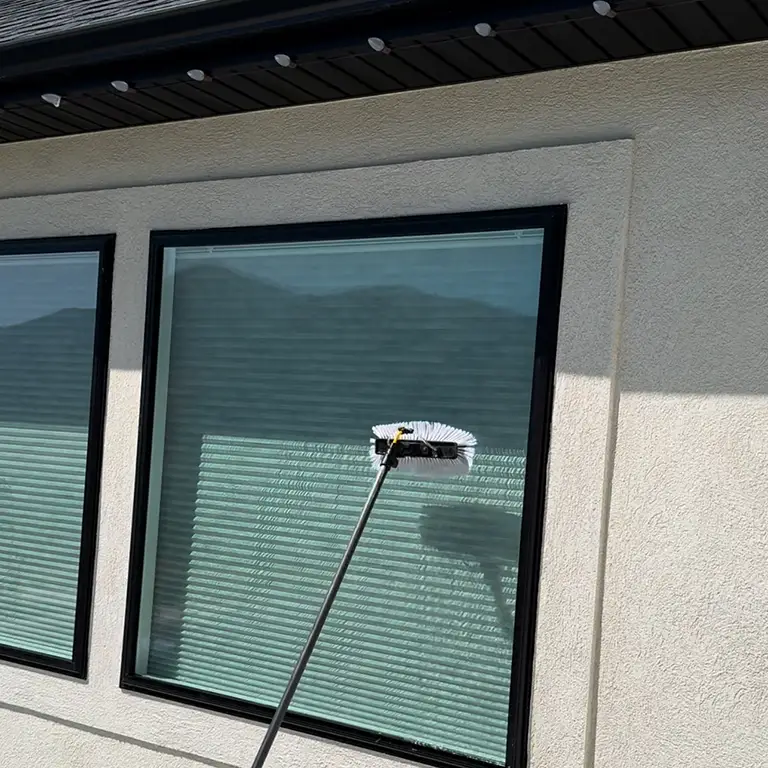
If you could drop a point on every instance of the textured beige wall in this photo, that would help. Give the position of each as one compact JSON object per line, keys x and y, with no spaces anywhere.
{"x":595,"y":180}
{"x":652,"y":644}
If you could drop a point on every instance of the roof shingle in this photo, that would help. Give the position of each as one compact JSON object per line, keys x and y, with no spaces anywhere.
{"x":24,"y":21}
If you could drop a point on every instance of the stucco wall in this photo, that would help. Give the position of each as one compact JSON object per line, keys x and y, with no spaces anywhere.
{"x":652,"y":644}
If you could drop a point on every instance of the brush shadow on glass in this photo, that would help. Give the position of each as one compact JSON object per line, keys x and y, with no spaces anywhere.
{"x":485,"y":538}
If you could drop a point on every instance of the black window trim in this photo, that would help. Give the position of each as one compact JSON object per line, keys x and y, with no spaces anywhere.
{"x":104,"y":245}
{"x":553,"y":220}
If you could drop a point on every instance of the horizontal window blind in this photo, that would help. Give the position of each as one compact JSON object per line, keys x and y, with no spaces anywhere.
{"x":47,"y":325}
{"x":275,"y":361}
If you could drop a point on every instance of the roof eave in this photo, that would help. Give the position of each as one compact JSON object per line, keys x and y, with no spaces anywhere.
{"x":225,"y":34}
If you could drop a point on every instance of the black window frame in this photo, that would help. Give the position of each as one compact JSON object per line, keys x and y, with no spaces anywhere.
{"x":104,"y":245}
{"x":552,"y":219}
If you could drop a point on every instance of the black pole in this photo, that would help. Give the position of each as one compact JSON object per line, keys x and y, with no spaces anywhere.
{"x":388,"y":462}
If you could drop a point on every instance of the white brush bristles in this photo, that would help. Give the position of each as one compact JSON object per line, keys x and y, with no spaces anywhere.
{"x":429,"y":431}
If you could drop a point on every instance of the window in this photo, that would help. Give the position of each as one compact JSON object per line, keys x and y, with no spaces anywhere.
{"x":273,"y":351}
{"x":54,"y":336}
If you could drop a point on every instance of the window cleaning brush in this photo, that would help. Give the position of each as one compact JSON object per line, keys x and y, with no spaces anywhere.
{"x":422,"y":448}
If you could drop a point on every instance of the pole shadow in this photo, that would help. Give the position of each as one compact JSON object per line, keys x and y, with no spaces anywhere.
{"x":483,"y":537}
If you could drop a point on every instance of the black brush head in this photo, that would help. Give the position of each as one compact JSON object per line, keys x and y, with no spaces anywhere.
{"x":418,"y":449}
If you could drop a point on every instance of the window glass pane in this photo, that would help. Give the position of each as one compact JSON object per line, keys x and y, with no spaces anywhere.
{"x":47,"y":323}
{"x":274,"y":363}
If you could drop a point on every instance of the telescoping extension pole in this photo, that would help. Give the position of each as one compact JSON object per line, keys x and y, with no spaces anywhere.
{"x":388,"y":462}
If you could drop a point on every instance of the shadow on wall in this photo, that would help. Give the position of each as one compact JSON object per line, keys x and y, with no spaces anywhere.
{"x":101,"y":733}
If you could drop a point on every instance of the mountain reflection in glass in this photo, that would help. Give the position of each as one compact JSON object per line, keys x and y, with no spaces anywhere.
{"x":275,"y":362}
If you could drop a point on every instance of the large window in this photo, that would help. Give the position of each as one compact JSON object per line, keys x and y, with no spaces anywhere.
{"x":273,"y":352}
{"x":54,"y":333}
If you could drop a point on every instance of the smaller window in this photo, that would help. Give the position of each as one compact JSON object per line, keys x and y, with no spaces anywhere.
{"x":54,"y":336}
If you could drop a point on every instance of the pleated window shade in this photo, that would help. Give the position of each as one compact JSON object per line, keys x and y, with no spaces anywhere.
{"x":274,"y":361}
{"x":47,"y":326}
